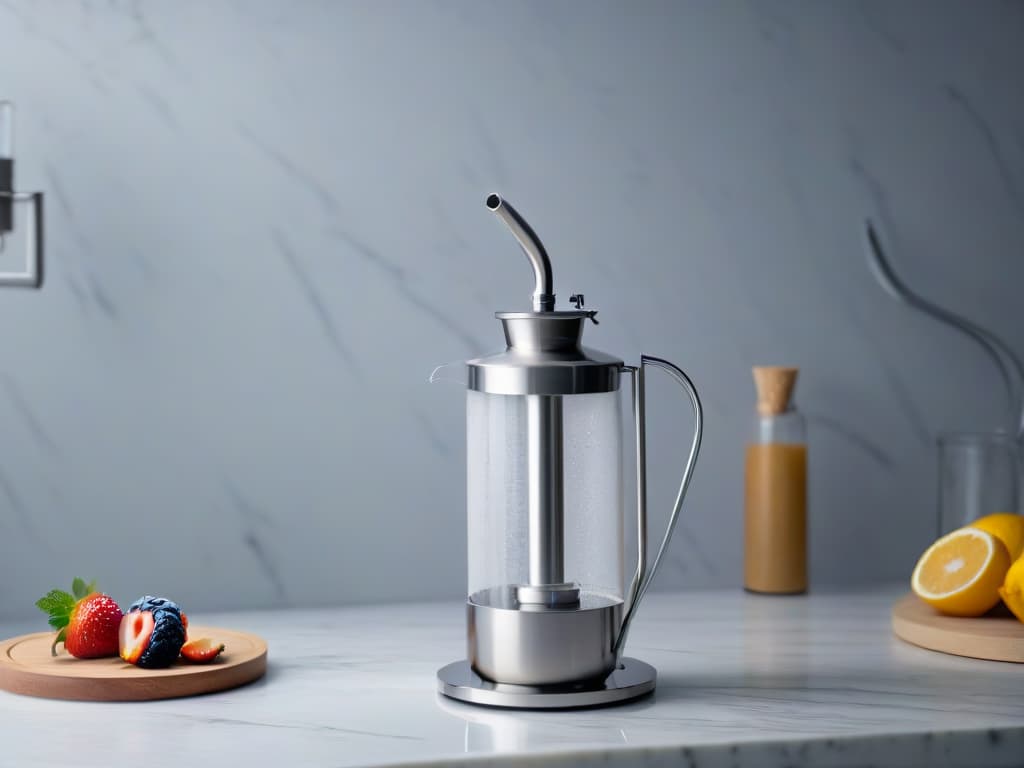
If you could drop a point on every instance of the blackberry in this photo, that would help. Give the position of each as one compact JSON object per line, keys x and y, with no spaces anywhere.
{"x":165,"y":642}
{"x":151,"y":603}
{"x":152,"y":632}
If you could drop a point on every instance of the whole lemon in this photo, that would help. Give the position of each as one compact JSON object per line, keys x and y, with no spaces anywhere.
{"x":1007,"y":527}
{"x":1012,"y":590}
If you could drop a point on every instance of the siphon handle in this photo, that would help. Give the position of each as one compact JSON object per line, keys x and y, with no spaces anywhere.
{"x":642,"y":578}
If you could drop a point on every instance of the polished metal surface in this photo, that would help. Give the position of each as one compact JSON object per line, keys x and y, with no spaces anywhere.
{"x":547,"y":596}
{"x":544,"y":357}
{"x":544,"y":331}
{"x":637,"y":390}
{"x":544,"y":282}
{"x":698,"y":429}
{"x":1010,"y":366}
{"x":537,"y":634}
{"x":630,"y":680}
{"x":509,"y":643}
{"x":32,"y":275}
{"x":545,"y":511}
{"x":6,"y":188}
{"x":525,"y":373}
{"x":6,"y":168}
{"x":6,"y":129}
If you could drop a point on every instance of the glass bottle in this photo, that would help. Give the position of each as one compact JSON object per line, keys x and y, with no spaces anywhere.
{"x":775,"y":518}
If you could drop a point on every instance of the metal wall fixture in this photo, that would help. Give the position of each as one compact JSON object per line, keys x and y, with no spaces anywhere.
{"x":979,"y":471}
{"x":11,"y":203}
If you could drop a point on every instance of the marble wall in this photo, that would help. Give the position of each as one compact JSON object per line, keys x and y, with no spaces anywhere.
{"x":266,"y":227}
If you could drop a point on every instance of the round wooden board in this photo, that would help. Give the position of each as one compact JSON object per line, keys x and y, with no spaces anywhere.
{"x":997,"y":636}
{"x":27,"y":667}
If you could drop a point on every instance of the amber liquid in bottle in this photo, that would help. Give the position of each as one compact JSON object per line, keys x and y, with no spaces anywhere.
{"x":775,"y":558}
{"x":775,"y":501}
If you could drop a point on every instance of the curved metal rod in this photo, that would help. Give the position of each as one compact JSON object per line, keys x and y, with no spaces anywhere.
{"x":643,"y":582}
{"x":1010,"y":367}
{"x":544,"y":282}
{"x":637,"y":380}
{"x":6,"y":128}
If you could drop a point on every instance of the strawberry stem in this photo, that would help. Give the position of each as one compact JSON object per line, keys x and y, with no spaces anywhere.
{"x":58,"y":639}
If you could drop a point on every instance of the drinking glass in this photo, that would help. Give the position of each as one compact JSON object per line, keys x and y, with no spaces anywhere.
{"x":978,"y":475}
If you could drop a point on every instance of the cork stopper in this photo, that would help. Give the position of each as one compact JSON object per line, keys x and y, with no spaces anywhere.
{"x":775,"y":386}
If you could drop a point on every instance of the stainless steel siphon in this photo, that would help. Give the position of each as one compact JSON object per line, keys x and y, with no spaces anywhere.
{"x":549,"y":606}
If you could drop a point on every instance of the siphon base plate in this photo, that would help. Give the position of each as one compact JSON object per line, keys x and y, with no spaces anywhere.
{"x":632,"y":679}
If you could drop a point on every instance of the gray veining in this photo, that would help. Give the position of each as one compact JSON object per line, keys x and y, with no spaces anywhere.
{"x":744,"y":681}
{"x":265,"y":226}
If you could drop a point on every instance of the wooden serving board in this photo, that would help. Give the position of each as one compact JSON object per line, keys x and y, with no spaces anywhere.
{"x":997,"y":636}
{"x":27,"y":667}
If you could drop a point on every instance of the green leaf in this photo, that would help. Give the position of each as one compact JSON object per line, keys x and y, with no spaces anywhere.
{"x":78,"y":588}
{"x":58,"y":606}
{"x":56,"y":602}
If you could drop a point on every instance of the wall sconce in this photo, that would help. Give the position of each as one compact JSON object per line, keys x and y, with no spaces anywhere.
{"x":11,"y":202}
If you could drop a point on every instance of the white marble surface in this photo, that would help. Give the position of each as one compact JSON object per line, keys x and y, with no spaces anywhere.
{"x":743,"y":681}
{"x":265,"y":224}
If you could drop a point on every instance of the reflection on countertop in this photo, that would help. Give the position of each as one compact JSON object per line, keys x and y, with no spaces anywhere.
{"x":743,"y":680}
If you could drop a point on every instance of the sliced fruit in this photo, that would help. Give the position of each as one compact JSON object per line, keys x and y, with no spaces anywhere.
{"x":960,"y":574}
{"x":1012,"y":590}
{"x":86,"y":621}
{"x":134,"y":635}
{"x":1007,"y":527}
{"x":158,"y":606}
{"x":151,"y":639}
{"x":202,"y":650}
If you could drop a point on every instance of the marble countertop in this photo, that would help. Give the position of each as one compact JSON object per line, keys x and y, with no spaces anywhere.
{"x":743,"y":680}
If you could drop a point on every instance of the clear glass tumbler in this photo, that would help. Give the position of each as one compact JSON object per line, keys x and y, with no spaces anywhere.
{"x":978,"y":475}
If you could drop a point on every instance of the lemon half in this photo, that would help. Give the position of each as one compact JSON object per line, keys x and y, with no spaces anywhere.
{"x":961,"y":573}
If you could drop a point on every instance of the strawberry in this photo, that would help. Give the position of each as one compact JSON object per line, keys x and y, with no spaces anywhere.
{"x":151,"y":639}
{"x":136,"y":631}
{"x":150,"y":603}
{"x":86,"y":620}
{"x":201,"y":651}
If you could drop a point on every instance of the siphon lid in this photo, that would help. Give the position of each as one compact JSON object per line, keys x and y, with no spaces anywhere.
{"x":543,"y":354}
{"x":544,"y":357}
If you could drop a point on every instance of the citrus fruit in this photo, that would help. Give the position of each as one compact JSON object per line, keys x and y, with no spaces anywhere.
{"x":961,"y":573}
{"x":1012,"y":590}
{"x":1007,"y":527}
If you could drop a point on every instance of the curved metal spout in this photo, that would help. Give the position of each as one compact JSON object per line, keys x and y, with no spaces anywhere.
{"x":544,"y":288}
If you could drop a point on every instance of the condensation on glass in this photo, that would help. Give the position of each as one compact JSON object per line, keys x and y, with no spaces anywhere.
{"x":498,"y":493}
